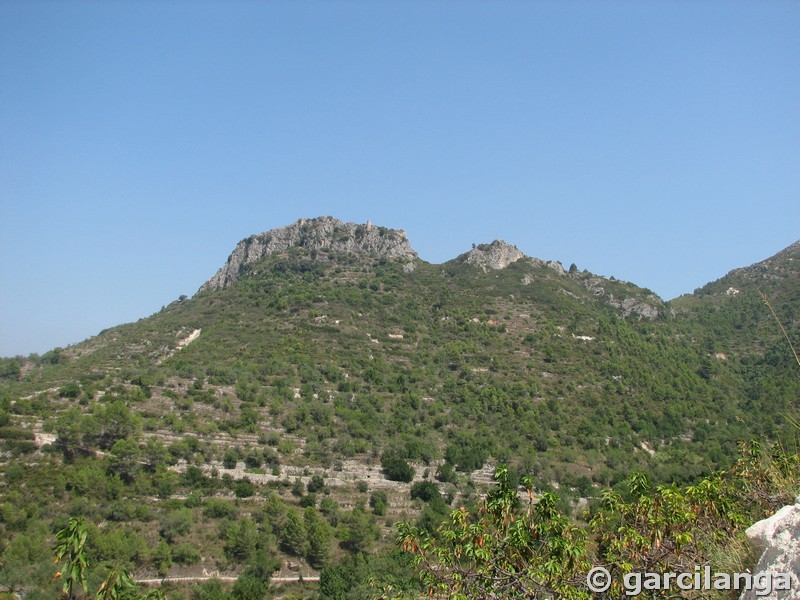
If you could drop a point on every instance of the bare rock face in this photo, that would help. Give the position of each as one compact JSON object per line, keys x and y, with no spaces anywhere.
{"x":632,"y":306}
{"x":322,"y":233}
{"x":778,"y":537}
{"x":550,"y":264}
{"x":497,"y":255}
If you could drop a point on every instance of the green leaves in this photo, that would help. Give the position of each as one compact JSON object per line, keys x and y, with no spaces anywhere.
{"x":69,"y":547}
{"x":501,"y":550}
{"x":118,"y":585}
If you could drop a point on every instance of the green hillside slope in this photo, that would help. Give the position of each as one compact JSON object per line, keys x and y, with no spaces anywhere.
{"x":331,"y":350}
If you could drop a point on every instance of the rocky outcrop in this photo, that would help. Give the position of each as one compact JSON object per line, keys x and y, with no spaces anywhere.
{"x":322,"y":233}
{"x":497,"y":255}
{"x":634,"y":306}
{"x":778,"y":540}
{"x":550,"y":264}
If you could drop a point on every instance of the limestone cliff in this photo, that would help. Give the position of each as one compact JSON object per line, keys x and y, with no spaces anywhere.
{"x":497,"y":255}
{"x":322,"y":233}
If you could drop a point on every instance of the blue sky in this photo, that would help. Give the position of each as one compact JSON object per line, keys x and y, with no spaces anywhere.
{"x":658,"y":142}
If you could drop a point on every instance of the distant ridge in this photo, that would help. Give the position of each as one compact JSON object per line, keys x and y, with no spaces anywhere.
{"x":778,"y":271}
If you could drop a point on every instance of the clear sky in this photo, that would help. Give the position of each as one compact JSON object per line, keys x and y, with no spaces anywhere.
{"x":658,"y":142}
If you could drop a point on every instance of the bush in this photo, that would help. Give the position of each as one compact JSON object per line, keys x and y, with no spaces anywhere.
{"x":396,"y":468}
{"x":176,"y":523}
{"x":316,"y":484}
{"x":230,"y":458}
{"x":425,"y":491}
{"x":446,"y":473}
{"x":220,"y":509}
{"x":378,"y":503}
{"x":70,"y":390}
{"x":244,"y":489}
{"x":186,"y":554}
{"x":194,"y":499}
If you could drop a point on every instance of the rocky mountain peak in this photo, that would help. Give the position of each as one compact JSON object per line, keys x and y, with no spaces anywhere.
{"x":321,"y":233}
{"x":497,"y":255}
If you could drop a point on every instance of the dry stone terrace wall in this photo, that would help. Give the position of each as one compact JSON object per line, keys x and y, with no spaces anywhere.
{"x":350,"y":473}
{"x":343,"y":477}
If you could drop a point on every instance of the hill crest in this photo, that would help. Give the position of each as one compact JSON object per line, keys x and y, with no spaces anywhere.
{"x":321,"y":233}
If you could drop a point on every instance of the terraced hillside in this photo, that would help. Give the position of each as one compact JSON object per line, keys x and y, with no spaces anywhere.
{"x":291,"y":408}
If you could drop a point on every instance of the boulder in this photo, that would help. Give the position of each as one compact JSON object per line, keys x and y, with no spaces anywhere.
{"x":778,"y":540}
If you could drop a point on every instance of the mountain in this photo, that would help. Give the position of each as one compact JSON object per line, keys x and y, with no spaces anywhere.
{"x":331,"y":350}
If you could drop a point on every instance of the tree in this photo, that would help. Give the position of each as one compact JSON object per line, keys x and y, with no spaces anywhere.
{"x":335,"y":582}
{"x":244,"y":488}
{"x":162,"y":558}
{"x":425,"y":491}
{"x":120,"y":585}
{"x":70,"y":390}
{"x":117,"y":585}
{"x":330,"y":508}
{"x":155,"y":454}
{"x":124,"y":459}
{"x":446,"y":473}
{"x":672,"y":529}
{"x":293,"y":534}
{"x":241,"y":539}
{"x":111,"y":423}
{"x":319,"y":536}
{"x":70,"y":547}
{"x":253,"y":583}
{"x":317,"y":484}
{"x":10,"y":368}
{"x":69,"y":432}
{"x":359,"y":531}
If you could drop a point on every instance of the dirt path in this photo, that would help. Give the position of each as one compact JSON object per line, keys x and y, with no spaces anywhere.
{"x":160,"y":580}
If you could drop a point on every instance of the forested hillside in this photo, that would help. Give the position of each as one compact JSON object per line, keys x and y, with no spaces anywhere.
{"x":328,"y":383}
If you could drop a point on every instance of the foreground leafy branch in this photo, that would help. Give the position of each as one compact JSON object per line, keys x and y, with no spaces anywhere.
{"x":69,"y":547}
{"x":502,"y":551}
{"x":513,"y":549}
{"x":118,"y":584}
